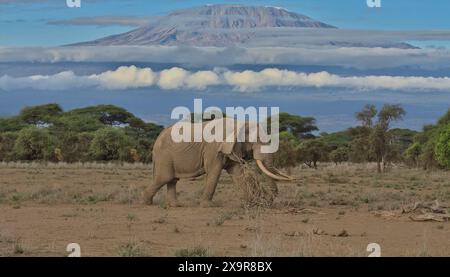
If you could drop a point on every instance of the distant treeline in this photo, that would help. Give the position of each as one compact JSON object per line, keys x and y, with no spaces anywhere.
{"x":98,"y":133}
{"x":372,"y":141}
{"x":110,"y":133}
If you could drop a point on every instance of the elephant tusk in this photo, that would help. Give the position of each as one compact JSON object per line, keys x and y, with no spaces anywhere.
{"x":270,"y":174}
{"x":282,"y":174}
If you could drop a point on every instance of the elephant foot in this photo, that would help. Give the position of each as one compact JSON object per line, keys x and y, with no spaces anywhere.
{"x":148,"y":200}
{"x":206,"y":204}
{"x":173,"y":203}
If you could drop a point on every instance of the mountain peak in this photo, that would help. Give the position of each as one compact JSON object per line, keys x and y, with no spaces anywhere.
{"x":240,"y":17}
{"x":211,"y":25}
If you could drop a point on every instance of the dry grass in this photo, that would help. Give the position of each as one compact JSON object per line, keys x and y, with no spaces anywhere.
{"x":52,"y":184}
{"x":132,"y":249}
{"x":355,"y":186}
{"x":77,"y":165}
{"x":307,"y":218}
{"x":196,"y":251}
{"x":255,"y":191}
{"x":360,"y":187}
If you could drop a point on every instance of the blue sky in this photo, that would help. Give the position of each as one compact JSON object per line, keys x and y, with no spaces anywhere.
{"x":331,"y":83}
{"x":25,"y":22}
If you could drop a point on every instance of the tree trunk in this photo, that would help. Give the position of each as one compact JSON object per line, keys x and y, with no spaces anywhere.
{"x":289,"y":170}
{"x":378,"y":166}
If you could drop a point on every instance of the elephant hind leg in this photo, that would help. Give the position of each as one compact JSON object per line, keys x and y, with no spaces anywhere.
{"x":172,"y":193}
{"x":153,"y":189}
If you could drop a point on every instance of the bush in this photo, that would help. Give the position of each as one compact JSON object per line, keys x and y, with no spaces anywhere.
{"x":412,"y":154}
{"x":442,"y":148}
{"x":49,"y":133}
{"x":7,"y":141}
{"x":34,"y":144}
{"x":75,"y":146}
{"x":144,"y":150}
{"x":110,"y":144}
{"x":339,"y":155}
{"x":312,"y":151}
{"x":286,"y":155}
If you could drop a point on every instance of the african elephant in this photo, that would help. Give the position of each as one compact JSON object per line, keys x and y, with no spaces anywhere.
{"x":176,"y":160}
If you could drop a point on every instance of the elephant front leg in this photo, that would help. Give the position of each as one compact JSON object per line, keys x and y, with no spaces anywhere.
{"x":273,"y":189}
{"x":236,"y":173}
{"x":211,"y":180}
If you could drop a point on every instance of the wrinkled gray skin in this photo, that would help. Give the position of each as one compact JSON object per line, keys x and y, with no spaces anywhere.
{"x":173,"y":161}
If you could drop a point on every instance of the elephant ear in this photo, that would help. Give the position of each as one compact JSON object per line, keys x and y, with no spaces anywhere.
{"x":228,"y":147}
{"x":257,"y":155}
{"x":232,"y":150}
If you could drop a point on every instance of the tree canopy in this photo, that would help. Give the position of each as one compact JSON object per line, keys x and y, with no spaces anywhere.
{"x":300,"y":127}
{"x":430,"y":147}
{"x":47,"y":132}
{"x":111,"y":133}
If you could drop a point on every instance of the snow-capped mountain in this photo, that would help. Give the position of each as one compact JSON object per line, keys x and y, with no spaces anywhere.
{"x":237,"y":25}
{"x":211,"y":25}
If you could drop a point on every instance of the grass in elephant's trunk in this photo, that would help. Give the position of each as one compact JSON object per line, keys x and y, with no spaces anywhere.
{"x":255,"y":192}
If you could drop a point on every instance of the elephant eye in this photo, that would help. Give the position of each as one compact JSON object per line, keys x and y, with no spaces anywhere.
{"x":248,"y":156}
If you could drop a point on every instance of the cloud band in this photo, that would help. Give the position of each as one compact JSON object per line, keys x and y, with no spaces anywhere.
{"x":131,"y":77}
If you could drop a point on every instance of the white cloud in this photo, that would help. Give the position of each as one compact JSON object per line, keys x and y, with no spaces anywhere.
{"x":172,"y":78}
{"x":178,"y":78}
{"x":126,"y":77}
{"x":202,"y":79}
{"x":60,"y":81}
{"x":361,"y":58}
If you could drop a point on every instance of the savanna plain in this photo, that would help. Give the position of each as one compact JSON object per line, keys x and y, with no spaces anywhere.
{"x":335,"y":210}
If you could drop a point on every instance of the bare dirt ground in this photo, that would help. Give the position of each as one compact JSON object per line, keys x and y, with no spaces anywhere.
{"x":332,"y":211}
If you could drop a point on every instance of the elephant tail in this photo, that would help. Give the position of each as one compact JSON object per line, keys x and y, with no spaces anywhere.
{"x":153,"y":170}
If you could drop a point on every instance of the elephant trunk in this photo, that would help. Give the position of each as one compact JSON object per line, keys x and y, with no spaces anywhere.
{"x":276,"y":174}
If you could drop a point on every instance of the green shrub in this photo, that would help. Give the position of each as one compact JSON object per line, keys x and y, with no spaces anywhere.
{"x":75,"y":146}
{"x":286,"y":155}
{"x":34,"y":144}
{"x":412,"y":154}
{"x":110,"y":144}
{"x":312,"y":151}
{"x":339,"y":155}
{"x":442,"y":148}
{"x":7,"y":141}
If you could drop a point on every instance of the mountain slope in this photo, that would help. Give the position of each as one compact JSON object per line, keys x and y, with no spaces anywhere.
{"x":211,"y":25}
{"x":236,"y":25}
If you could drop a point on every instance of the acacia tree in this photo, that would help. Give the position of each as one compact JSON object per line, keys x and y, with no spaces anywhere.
{"x":300,"y":127}
{"x":311,"y":151}
{"x":366,"y":115}
{"x":40,"y":115}
{"x":380,"y":138}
